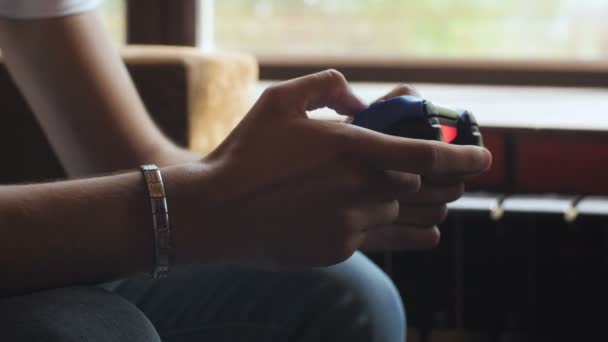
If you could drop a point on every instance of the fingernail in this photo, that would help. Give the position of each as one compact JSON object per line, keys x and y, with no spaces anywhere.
{"x":485,"y":158}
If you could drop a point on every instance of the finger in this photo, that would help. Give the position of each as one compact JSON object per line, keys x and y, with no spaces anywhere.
{"x":422,"y":216}
{"x":400,"y":90}
{"x":403,"y":182}
{"x":349,"y":182}
{"x":448,"y":179}
{"x":423,"y":157}
{"x":324,"y":89}
{"x":357,"y":180}
{"x":386,"y":184}
{"x":431,"y":194}
{"x":366,"y":216}
{"x":398,"y":237}
{"x":380,"y":186}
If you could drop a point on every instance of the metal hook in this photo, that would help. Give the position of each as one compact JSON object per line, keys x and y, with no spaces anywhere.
{"x":496,"y":210}
{"x":571,"y":213}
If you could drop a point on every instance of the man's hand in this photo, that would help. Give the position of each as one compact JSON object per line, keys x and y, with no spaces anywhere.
{"x":419,"y":212}
{"x":287,"y":191}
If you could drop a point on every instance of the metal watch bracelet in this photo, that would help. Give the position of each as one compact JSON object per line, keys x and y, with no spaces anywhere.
{"x":163,"y":240}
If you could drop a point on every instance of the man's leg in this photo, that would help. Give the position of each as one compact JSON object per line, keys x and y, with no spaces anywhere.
{"x":73,"y":315}
{"x":352,"y":301}
{"x":379,"y":296}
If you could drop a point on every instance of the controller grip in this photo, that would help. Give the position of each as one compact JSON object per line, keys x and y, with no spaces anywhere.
{"x":468,"y":131}
{"x":403,"y":116}
{"x":415,"y":129}
{"x":413,"y":117}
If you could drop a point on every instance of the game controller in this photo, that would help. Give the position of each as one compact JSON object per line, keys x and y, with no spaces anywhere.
{"x":413,"y":117}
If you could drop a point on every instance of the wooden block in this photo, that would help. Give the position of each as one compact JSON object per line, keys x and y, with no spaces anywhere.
{"x":219,"y":88}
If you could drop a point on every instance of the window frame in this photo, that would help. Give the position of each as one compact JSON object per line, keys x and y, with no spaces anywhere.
{"x":163,"y":22}
{"x":170,"y":22}
{"x":444,"y":71}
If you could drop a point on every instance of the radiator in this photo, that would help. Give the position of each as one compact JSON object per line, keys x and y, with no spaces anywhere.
{"x":510,"y":268}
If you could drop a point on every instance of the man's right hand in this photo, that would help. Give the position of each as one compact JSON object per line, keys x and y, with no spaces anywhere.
{"x":286,"y":191}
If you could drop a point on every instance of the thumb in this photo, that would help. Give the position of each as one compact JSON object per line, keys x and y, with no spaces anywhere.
{"x":328,"y":88}
{"x":400,"y":90}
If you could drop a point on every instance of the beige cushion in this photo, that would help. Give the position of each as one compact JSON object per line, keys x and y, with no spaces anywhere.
{"x":219,"y":91}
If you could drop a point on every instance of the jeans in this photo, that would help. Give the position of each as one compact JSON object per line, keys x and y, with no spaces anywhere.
{"x":351,"y":301}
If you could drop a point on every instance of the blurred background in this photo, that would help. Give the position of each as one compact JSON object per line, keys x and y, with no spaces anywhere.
{"x":524,"y":255}
{"x":518,"y":29}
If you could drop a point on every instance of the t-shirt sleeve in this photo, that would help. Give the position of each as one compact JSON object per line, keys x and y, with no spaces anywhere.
{"x":30,"y":9}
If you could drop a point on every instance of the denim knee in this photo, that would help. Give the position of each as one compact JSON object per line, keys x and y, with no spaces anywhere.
{"x":73,"y":315}
{"x":378,"y":294}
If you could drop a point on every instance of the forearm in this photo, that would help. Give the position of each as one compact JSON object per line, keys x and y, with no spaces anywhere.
{"x":78,"y":87}
{"x":93,"y":230}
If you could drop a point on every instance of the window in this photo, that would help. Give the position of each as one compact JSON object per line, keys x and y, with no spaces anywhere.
{"x":113,"y":15}
{"x":455,"y":29}
{"x":519,"y":42}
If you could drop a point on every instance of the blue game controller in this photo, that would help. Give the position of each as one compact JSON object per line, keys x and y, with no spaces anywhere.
{"x":413,"y":117}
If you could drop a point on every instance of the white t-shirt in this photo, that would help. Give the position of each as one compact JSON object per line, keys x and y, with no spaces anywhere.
{"x":29,"y":9}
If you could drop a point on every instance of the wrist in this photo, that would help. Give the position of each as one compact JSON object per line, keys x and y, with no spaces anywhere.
{"x":197,"y":231}
{"x":172,"y":154}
